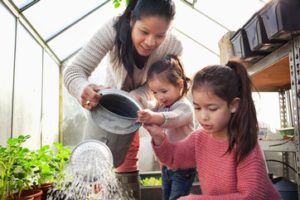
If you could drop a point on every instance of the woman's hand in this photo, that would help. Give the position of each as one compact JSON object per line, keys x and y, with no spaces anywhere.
{"x":157,"y":133}
{"x":90,"y":96}
{"x":182,"y":198}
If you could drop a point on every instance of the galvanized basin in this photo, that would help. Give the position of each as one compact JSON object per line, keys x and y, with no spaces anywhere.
{"x":113,"y":121}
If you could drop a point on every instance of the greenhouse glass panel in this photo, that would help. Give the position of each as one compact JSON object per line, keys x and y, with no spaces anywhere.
{"x":27,"y":88}
{"x":7,"y":41}
{"x":203,"y":30}
{"x":194,"y":56}
{"x":23,"y":3}
{"x":73,"y":39}
{"x":50,"y":116}
{"x":51,"y":16}
{"x":231,"y":13}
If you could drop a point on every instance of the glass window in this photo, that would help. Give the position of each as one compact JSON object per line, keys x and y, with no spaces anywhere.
{"x":27,"y":88}
{"x":203,"y":30}
{"x":50,"y":16}
{"x":73,"y":39}
{"x":7,"y":41}
{"x":233,"y":14}
{"x":22,"y":3}
{"x":50,"y":110}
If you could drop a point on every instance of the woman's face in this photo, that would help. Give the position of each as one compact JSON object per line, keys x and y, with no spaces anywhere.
{"x":148,"y":33}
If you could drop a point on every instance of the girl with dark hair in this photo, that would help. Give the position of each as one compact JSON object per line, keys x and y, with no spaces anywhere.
{"x":132,"y":42}
{"x":225,"y":149}
{"x":173,"y":112}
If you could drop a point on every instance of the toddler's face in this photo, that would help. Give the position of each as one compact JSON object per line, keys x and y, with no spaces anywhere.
{"x":165,"y":92}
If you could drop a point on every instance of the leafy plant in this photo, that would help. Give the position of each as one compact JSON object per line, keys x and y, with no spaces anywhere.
{"x":61,"y":159}
{"x":117,"y":3}
{"x":16,"y":167}
{"x":21,"y":168}
{"x":45,"y":163}
{"x":151,"y":181}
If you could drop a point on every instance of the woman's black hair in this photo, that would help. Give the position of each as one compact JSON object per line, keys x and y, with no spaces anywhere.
{"x":228,"y":82}
{"x":135,"y":10}
{"x":173,"y":70}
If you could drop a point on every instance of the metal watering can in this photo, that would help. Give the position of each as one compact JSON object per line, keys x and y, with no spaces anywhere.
{"x":113,"y":121}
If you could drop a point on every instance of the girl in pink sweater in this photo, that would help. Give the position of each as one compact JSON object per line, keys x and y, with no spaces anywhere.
{"x":225,"y":150}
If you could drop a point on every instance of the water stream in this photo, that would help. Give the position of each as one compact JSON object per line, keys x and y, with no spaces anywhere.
{"x":89,"y":176}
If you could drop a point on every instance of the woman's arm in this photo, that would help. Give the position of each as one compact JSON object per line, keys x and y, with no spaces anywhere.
{"x":76,"y":74}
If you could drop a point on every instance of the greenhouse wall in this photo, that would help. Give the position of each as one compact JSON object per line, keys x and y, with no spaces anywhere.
{"x":29,"y":85}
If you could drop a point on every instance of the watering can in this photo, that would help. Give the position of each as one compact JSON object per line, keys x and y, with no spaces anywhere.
{"x":113,"y":122}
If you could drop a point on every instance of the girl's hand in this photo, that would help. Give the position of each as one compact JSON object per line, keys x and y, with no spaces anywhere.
{"x":90,"y":96}
{"x":157,"y":133}
{"x":144,"y":116}
{"x":181,"y":198}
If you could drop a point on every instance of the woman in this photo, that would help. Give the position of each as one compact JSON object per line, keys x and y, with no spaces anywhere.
{"x":132,"y":41}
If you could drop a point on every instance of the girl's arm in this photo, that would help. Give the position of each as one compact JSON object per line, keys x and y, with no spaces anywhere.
{"x":181,"y":113}
{"x":177,"y":155}
{"x":147,"y":116}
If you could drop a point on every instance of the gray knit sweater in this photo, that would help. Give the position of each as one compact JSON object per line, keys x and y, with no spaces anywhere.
{"x":179,"y":120}
{"x":101,"y":44}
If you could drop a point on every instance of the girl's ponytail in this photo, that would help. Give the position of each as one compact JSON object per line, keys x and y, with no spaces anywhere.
{"x":243,"y":123}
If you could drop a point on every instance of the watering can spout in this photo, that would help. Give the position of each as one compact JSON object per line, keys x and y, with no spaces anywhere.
{"x":89,"y":158}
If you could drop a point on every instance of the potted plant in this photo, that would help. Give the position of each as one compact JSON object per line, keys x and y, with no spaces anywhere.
{"x":51,"y":163}
{"x":59,"y":162}
{"x":151,"y":187}
{"x":17,"y":169}
{"x":46,"y":169}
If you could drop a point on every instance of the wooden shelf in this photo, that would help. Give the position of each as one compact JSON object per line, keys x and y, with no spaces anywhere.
{"x":273,"y":78}
{"x":272,"y":72}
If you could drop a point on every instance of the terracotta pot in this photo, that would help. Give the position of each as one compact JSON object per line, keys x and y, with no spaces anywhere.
{"x":27,"y":195}
{"x":45,"y":188}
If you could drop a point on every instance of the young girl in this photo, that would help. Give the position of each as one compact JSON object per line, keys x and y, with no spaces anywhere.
{"x":174,"y":114}
{"x":225,"y":150}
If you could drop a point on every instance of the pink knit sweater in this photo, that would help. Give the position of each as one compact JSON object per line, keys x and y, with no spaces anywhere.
{"x":221,"y":178}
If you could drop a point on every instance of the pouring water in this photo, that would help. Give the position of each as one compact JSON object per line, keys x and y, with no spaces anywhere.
{"x":90,"y":175}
